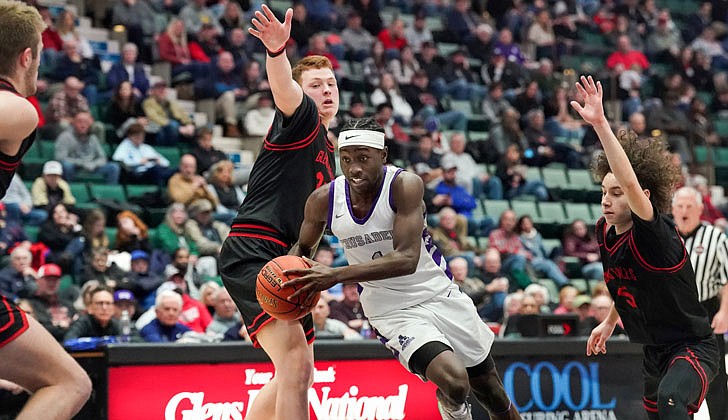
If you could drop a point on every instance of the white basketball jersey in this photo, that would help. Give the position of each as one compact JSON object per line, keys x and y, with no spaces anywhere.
{"x":371,"y":237}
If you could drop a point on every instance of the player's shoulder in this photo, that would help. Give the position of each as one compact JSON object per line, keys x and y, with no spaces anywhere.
{"x":20,"y":117}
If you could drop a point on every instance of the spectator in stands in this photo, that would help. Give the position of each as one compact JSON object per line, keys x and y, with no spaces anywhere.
{"x":253,"y":78}
{"x":11,"y":233}
{"x":388,"y":92}
{"x":141,"y":280}
{"x":207,"y":295}
{"x":495,"y":104}
{"x":232,"y":17}
{"x":57,"y":233}
{"x":71,"y":63}
{"x":708,"y":44}
{"x":194,"y":269}
{"x":141,"y":162}
{"x":224,"y":84}
{"x":624,"y":27}
{"x":196,"y":14}
{"x":451,"y":236}
{"x":99,"y":320}
{"x":506,"y":47}
{"x":52,"y":42}
{"x":204,"y":153}
{"x":512,"y":174}
{"x":505,"y":132}
{"x":601,"y":305}
{"x":19,"y":204}
{"x":132,"y":233}
{"x":125,"y":109}
{"x":513,"y":327}
{"x":17,"y":280}
{"x":327,"y":327}
{"x":461,"y":22}
{"x":544,"y":148}
{"x":259,"y":118}
{"x":374,"y":65}
{"x":541,"y":36}
{"x":481,"y":45}
{"x":79,"y":150}
{"x":63,"y":105}
{"x":560,"y":124}
{"x":396,"y":139}
{"x":461,"y":82}
{"x":664,"y":43}
{"x":514,"y":255}
{"x":170,"y":233}
{"x":201,"y":228}
{"x":137,"y":17}
{"x":170,"y":123}
{"x":50,"y":189}
{"x":186,"y":186}
{"x":418,"y":33}
{"x":626,"y":56}
{"x":237,"y":44}
{"x":392,"y":38}
{"x":187,"y":59}
{"x":229,"y":196}
{"x":434,"y":65}
{"x":317,"y":45}
{"x":567,"y":294}
{"x":348,"y":310}
{"x":425,"y":154}
{"x":472,"y":177}
{"x":124,"y":300}
{"x":539,"y":259}
{"x":428,"y":108}
{"x":226,"y":313}
{"x":498,"y":70}
{"x":99,"y":269}
{"x":674,"y":123}
{"x":580,"y":243}
{"x":129,"y":69}
{"x":165,"y":327}
{"x":93,"y":235}
{"x":66,"y":27}
{"x":702,"y":127}
{"x":497,"y":285}
{"x":302,"y":28}
{"x":52,"y":308}
{"x":404,"y":68}
{"x":207,"y":39}
{"x":357,"y":41}
{"x":194,"y":313}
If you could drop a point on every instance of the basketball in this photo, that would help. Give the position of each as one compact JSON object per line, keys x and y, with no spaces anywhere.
{"x":273,"y":298}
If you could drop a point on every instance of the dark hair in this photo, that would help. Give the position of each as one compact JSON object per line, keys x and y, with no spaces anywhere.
{"x":134,"y":129}
{"x":652,"y":165}
{"x":519,"y":229}
{"x":362,"y":124}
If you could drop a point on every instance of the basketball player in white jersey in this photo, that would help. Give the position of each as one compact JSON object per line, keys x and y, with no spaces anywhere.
{"x":407,"y":292}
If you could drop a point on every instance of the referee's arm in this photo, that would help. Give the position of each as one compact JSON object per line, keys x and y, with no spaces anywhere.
{"x":720,"y":320}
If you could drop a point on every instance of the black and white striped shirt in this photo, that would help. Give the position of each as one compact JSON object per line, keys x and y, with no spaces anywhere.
{"x":708,"y":249}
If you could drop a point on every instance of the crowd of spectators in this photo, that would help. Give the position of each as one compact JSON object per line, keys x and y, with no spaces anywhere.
{"x":471,"y":95}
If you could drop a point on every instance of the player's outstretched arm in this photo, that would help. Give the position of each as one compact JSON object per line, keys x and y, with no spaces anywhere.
{"x":597,"y":342}
{"x":593,"y":112}
{"x":274,"y":35}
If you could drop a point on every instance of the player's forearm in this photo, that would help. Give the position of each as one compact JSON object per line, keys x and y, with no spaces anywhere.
{"x":618,"y":161}
{"x":613,"y":316}
{"x":723,"y":300}
{"x":286,"y":92}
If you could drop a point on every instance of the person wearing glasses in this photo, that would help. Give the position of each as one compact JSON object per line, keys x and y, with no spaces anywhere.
{"x":99,"y":320}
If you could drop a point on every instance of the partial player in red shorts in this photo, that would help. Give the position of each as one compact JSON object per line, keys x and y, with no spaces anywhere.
{"x":31,"y":357}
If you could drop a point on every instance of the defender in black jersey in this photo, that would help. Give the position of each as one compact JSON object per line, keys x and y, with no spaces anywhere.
{"x":31,"y":357}
{"x":296,"y":158}
{"x":647,"y":269}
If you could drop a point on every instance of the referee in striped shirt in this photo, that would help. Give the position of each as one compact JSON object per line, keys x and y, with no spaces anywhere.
{"x":708,"y":249}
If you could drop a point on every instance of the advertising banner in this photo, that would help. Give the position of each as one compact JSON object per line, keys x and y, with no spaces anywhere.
{"x":355,"y":389}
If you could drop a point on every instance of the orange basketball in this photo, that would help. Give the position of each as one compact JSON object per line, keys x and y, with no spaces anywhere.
{"x":273,"y":298}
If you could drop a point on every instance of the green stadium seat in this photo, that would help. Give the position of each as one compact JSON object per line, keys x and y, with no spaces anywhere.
{"x":111,"y":234}
{"x":494,"y":208}
{"x":80,"y":192}
{"x":551,"y":212}
{"x":136,"y":190}
{"x":596,"y":211}
{"x":524,"y":208}
{"x":172,"y":153}
{"x":578,"y":211}
{"x":108,"y":191}
{"x":32,"y":232}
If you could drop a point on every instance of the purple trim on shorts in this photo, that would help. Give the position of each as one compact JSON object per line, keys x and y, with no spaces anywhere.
{"x":331,"y":203}
{"x":435,"y":253}
{"x":374,"y":203}
{"x":391,"y":199}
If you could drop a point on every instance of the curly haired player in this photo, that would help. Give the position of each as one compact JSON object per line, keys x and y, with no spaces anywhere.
{"x":647,"y":268}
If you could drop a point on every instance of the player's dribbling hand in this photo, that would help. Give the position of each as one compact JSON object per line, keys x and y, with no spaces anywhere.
{"x":271,"y":32}
{"x":592,"y":111}
{"x":315,"y":279}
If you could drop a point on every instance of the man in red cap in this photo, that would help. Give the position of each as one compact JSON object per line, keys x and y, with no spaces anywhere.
{"x":52,"y":308}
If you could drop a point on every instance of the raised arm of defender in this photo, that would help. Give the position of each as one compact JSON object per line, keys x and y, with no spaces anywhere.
{"x":593,"y":112}
{"x":274,"y":35}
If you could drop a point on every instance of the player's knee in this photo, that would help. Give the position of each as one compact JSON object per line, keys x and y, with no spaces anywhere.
{"x":669,"y":400}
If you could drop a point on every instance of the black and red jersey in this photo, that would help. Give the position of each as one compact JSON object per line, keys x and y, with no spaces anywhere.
{"x":9,"y":164}
{"x":296,"y":158}
{"x":648,"y":273}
